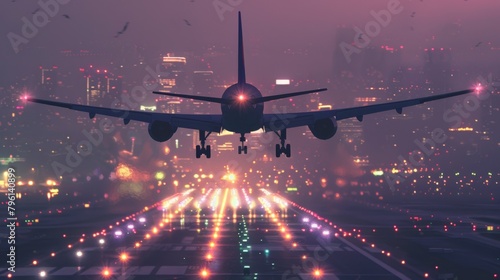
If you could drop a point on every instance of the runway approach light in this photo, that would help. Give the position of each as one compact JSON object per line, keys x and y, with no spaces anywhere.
{"x":229,"y":177}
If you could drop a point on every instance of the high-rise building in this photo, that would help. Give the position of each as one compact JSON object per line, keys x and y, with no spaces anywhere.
{"x":48,"y":83}
{"x":345,"y":66}
{"x":437,"y":68}
{"x":203,"y":82}
{"x":438,"y":73}
{"x":168,"y":106}
{"x":173,"y":77}
{"x":102,"y":87}
{"x":489,"y":116}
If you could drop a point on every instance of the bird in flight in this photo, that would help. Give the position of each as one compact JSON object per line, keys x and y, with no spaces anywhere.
{"x":123,"y":30}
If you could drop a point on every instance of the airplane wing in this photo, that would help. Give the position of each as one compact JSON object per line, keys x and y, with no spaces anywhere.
{"x":276,"y":122}
{"x":199,"y":122}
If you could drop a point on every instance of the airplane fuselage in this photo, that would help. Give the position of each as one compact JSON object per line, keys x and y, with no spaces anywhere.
{"x":242,"y":116}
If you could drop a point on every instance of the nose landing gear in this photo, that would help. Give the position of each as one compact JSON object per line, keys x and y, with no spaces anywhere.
{"x":282,"y":148}
{"x":202,"y":150}
{"x":242,"y":148}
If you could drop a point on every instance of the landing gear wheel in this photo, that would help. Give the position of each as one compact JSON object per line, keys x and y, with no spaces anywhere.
{"x":201,"y":149}
{"x":282,"y":148}
{"x":242,"y":148}
{"x":287,"y":150}
{"x":208,"y":153}
{"x":198,"y":151}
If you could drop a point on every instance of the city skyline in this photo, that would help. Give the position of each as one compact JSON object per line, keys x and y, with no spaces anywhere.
{"x":376,"y":82}
{"x":409,"y":193}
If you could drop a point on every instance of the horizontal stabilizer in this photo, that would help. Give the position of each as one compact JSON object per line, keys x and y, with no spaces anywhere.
{"x":195,"y":97}
{"x":284,"y":95}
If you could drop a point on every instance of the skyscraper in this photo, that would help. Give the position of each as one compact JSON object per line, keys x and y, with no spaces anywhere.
{"x":437,"y":68}
{"x":173,"y":77}
{"x":102,"y":87}
{"x":48,"y":83}
{"x":203,"y":82}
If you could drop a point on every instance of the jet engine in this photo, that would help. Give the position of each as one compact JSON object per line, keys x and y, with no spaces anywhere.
{"x":324,"y":128}
{"x":161,"y":131}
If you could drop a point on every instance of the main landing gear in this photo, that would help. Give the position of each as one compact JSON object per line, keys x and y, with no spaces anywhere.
{"x":242,"y":148}
{"x":281,"y":148}
{"x":202,"y":150}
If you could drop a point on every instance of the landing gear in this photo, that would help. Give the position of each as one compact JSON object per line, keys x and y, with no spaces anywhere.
{"x":281,"y":148}
{"x":202,"y":150}
{"x":242,"y":148}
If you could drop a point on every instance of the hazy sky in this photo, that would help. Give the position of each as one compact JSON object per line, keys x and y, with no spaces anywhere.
{"x":269,"y":26}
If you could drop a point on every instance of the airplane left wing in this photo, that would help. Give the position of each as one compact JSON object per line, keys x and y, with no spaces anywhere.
{"x":210,"y":123}
{"x":277,"y":122}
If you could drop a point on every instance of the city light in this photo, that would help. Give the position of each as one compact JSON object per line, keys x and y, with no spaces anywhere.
{"x":284,"y":82}
{"x":123,"y":257}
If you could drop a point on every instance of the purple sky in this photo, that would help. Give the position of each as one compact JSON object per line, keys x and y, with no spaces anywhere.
{"x":268,"y":25}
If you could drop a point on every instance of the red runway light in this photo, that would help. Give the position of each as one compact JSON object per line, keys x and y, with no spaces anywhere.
{"x":205,"y":273}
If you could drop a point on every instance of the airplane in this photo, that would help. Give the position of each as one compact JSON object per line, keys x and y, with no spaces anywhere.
{"x":242,"y":107}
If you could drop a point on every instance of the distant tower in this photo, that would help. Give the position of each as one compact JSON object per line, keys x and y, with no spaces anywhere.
{"x":347,"y":69}
{"x":437,"y":68}
{"x":344,"y":67}
{"x":438,"y":72}
{"x":173,"y":77}
{"x":203,"y":82}
{"x":48,"y":83}
{"x":102,"y":87}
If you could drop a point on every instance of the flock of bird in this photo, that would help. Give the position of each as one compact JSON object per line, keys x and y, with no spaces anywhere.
{"x":66,"y":16}
{"x":413,"y":14}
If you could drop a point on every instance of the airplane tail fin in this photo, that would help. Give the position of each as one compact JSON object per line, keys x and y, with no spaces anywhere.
{"x":241,"y":59}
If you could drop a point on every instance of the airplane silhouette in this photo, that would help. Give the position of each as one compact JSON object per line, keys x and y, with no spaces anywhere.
{"x":242,"y":107}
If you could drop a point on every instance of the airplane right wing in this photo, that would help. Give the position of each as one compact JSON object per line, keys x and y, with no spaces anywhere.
{"x":359,"y":112}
